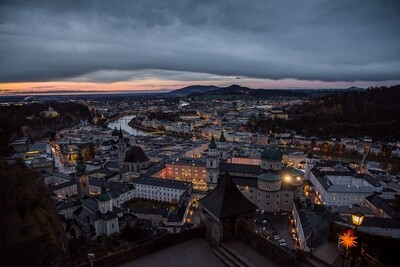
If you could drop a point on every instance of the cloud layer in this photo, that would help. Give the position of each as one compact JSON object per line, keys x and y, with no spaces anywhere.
{"x":109,"y":41}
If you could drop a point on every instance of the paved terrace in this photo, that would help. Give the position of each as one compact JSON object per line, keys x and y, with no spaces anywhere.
{"x":198,"y":253}
{"x":195,"y":253}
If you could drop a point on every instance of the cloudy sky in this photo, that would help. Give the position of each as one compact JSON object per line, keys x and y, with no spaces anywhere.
{"x":156,"y":44}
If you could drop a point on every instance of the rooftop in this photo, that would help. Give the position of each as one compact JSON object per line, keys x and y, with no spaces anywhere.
{"x":241,"y":168}
{"x":226,"y":200}
{"x":136,"y":154}
{"x":162,"y":183}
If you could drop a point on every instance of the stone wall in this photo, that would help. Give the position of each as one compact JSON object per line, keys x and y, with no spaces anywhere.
{"x":142,"y":250}
{"x":269,"y":249}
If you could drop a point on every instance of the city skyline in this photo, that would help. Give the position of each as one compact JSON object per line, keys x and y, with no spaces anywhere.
{"x":151,"y":45}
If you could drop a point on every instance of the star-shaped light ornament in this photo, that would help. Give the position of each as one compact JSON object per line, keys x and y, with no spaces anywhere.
{"x":348,"y":240}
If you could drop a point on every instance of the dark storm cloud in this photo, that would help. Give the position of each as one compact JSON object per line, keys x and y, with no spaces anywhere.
{"x":310,"y":40}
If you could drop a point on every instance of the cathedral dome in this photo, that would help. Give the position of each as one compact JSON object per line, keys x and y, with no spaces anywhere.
{"x":269,"y":177}
{"x":271,"y":153}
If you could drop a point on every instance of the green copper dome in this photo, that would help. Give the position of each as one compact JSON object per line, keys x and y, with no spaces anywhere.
{"x":271,"y":153}
{"x":104,"y":195}
{"x":212,"y":144}
{"x":80,"y":166}
{"x":269,"y":177}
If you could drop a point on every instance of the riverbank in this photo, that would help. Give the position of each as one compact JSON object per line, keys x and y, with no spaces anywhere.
{"x":117,"y":116}
{"x":151,"y":130}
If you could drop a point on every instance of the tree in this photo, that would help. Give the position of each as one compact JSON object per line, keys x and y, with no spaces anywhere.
{"x":89,"y":152}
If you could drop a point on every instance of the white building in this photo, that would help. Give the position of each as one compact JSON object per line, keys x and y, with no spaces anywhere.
{"x":160,"y":189}
{"x":66,"y":189}
{"x":337,"y":184}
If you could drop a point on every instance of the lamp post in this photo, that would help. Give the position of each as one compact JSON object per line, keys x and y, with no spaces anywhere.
{"x":357,"y":219}
{"x":91,"y":258}
{"x":348,"y":239}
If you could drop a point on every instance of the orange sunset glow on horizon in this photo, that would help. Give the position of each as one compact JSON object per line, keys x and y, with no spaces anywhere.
{"x":164,"y":84}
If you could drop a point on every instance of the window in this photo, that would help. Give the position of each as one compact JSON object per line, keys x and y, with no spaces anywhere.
{"x":251,"y":190}
{"x":286,"y":195}
{"x":267,"y":196}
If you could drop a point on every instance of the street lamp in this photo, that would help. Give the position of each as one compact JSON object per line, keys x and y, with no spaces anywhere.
{"x":357,"y":218}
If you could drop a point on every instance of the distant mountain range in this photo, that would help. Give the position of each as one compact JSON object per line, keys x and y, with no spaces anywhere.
{"x":193,"y":89}
{"x":237,"y":90}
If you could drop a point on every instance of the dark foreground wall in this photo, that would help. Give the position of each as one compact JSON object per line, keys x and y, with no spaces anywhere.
{"x":268,"y":248}
{"x":144,"y":249}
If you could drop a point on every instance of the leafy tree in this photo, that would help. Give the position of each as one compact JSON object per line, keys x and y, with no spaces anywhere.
{"x":89,"y":152}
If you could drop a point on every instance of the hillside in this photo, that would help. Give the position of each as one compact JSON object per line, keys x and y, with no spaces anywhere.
{"x":31,"y":232}
{"x":13,"y":117}
{"x":374,"y":112}
{"x":193,"y":89}
{"x":237,"y":90}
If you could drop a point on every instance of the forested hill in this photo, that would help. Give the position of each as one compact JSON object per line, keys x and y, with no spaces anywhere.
{"x":13,"y":117}
{"x":373,"y":105}
{"x":31,"y":232}
{"x":374,"y":112}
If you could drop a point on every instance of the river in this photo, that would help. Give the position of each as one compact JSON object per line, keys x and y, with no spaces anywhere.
{"x":123,"y":123}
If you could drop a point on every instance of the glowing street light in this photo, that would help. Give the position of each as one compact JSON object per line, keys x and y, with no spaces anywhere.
{"x":357,"y":218}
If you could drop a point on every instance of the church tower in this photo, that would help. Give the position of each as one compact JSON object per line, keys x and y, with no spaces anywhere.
{"x":82,"y":178}
{"x":310,"y":163}
{"x":115,"y":134}
{"x":222,"y":147}
{"x":212,"y":165}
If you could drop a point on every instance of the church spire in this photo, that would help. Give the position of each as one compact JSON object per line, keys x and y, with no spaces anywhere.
{"x":120,"y":133}
{"x":222,"y":137}
{"x":212,"y":144}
